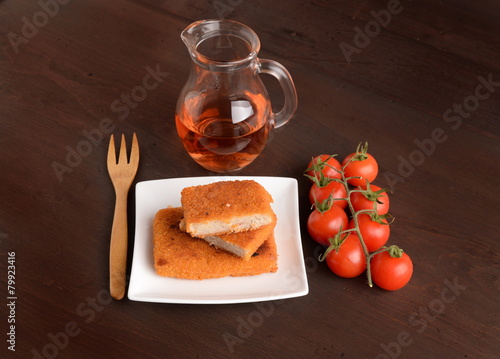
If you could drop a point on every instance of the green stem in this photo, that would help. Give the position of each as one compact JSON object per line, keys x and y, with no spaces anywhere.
{"x":380,"y":250}
{"x":361,"y":211}
{"x":356,"y":224}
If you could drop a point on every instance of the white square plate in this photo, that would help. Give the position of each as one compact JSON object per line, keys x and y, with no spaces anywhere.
{"x":289,"y":281}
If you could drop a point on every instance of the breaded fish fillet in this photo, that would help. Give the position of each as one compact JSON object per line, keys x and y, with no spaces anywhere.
{"x":226,"y":207}
{"x":178,"y":255}
{"x":242,"y":244}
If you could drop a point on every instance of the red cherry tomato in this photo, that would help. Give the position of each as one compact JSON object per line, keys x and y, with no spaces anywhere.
{"x":326,"y":164}
{"x":350,"y":260}
{"x":363,"y":165}
{"x":324,"y":225}
{"x":335,"y":189}
{"x":391,"y":273}
{"x":374,"y":234}
{"x":360,"y":201}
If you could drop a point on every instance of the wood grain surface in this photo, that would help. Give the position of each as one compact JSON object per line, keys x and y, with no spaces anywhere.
{"x":418,"y":80}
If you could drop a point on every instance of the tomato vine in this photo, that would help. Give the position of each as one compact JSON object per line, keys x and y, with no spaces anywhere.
{"x":372,"y":193}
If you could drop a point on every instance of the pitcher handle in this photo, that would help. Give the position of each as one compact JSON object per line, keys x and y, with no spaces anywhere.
{"x":281,"y":73}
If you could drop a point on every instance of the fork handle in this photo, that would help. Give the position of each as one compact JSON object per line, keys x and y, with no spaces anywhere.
{"x":118,"y":247}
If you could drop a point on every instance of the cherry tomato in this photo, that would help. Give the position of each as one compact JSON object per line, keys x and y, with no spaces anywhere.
{"x":391,"y":273}
{"x":324,"y":225}
{"x":366,"y":168}
{"x":335,"y":189}
{"x":326,"y":164}
{"x":374,"y":234}
{"x":375,"y":195}
{"x":350,"y":260}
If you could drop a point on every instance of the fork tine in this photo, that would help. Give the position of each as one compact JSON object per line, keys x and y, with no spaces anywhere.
{"x":122,"y":157}
{"x":134,"y":152}
{"x":111,"y":151}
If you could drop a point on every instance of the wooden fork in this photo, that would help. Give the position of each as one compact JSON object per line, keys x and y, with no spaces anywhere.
{"x":122,"y":174}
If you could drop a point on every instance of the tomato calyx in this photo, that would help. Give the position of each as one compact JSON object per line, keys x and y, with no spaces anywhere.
{"x":361,"y":152}
{"x":384,"y":219}
{"x":335,"y":243}
{"x":322,"y":181}
{"x":371,"y":195}
{"x":394,"y":251}
{"x":325,"y":205}
{"x":320,"y":164}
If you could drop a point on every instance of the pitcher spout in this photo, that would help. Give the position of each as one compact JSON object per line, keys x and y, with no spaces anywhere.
{"x":189,"y":37}
{"x":221,"y":43}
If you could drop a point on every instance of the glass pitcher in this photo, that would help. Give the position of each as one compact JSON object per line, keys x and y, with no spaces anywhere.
{"x":224,"y":113}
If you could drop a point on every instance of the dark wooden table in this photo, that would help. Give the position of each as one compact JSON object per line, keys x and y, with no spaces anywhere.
{"x":418,"y":80}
